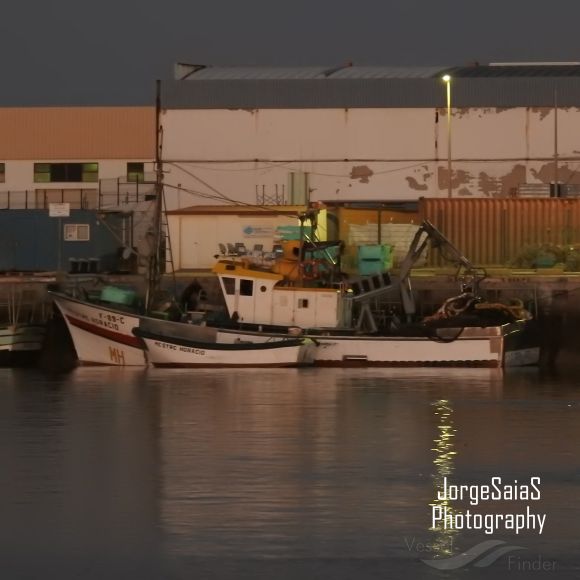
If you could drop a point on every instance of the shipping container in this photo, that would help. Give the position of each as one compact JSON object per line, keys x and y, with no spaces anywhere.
{"x":498,"y":231}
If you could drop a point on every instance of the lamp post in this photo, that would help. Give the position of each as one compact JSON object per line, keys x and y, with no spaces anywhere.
{"x":447,"y":81}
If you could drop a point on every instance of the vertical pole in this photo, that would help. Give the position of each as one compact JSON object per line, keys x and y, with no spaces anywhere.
{"x":154,"y":266}
{"x":449,"y":191}
{"x":59,"y":244}
{"x":556,"y":185}
{"x":301,"y":250}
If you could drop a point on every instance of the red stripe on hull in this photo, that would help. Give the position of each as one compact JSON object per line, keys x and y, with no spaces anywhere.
{"x":132,"y":341}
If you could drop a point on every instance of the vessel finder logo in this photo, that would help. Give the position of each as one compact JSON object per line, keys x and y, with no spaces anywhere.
{"x":494,"y":549}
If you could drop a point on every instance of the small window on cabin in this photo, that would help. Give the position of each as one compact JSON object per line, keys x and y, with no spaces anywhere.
{"x":303,"y":303}
{"x":76,"y":233}
{"x":246,"y":287}
{"x":229,"y":285}
{"x":2,"y":173}
{"x":136,"y":172}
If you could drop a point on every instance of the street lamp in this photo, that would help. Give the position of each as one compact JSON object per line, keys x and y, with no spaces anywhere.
{"x":447,"y":81}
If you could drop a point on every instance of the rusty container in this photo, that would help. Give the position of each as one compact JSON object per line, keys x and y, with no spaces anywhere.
{"x":495,"y":231}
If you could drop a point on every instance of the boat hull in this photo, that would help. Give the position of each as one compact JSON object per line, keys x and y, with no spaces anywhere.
{"x":101,"y":335}
{"x":21,"y":344}
{"x":105,"y":336}
{"x":22,"y":338}
{"x":508,"y":345}
{"x":166,"y":352}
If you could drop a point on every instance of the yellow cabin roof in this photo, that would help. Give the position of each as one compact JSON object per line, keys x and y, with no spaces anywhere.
{"x":231,"y":268}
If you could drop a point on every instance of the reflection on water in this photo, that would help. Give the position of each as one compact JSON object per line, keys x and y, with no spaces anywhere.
{"x":443,"y":462}
{"x":127,"y":473}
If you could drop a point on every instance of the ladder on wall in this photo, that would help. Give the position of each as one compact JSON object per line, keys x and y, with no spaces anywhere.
{"x":168,"y":257}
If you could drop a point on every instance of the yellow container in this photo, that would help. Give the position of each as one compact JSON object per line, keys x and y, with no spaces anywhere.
{"x":287,"y":268}
{"x":291,"y":249}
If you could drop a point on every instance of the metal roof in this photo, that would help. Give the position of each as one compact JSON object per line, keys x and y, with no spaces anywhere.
{"x":388,"y":72}
{"x":192,"y":72}
{"x":517,"y":70}
{"x":500,"y":85}
{"x":255,"y":73}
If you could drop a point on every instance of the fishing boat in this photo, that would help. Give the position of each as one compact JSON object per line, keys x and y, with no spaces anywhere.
{"x":102,"y":333}
{"x":466,"y":331}
{"x":21,"y":338}
{"x":24,"y":314}
{"x":179,"y":352}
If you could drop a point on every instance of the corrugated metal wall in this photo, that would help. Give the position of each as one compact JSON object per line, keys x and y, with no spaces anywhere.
{"x":494,"y":231}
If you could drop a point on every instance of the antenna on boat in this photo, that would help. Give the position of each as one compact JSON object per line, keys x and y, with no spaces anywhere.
{"x":153,"y":273}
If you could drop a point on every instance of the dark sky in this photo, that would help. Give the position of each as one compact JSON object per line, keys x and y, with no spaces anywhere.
{"x":63,"y":52}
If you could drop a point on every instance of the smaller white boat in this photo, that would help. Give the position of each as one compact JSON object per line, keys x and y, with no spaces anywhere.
{"x":180,"y":352}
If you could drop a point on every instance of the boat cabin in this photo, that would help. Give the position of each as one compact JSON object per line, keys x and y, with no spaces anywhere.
{"x":257,"y":296}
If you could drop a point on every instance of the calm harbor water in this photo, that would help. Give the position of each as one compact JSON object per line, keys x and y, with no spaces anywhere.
{"x":292,"y":474}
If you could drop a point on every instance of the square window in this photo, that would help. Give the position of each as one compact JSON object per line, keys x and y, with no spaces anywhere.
{"x":302,"y":302}
{"x":229,"y":286}
{"x":136,"y":172}
{"x":246,"y":287}
{"x":76,"y":232}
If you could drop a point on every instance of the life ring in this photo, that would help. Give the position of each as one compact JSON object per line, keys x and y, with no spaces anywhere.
{"x":309,"y":269}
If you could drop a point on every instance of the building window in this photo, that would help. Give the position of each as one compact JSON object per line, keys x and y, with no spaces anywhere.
{"x":229,"y":286}
{"x":302,"y":302}
{"x":136,"y":172}
{"x":76,"y":232}
{"x":2,"y":173}
{"x":246,"y":287}
{"x":66,"y":172}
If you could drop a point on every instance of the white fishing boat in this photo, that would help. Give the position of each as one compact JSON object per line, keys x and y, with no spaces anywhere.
{"x":24,"y":312}
{"x":101,"y":334}
{"x":338,"y":317}
{"x":179,"y":352}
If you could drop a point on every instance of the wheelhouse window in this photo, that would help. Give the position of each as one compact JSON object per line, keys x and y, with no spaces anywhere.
{"x":76,"y":232}
{"x":2,"y":172}
{"x":246,"y":287}
{"x":66,"y":172}
{"x":136,"y":172}
{"x":229,"y":286}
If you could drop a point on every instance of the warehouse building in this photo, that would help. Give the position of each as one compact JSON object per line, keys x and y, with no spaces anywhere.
{"x":77,"y":186}
{"x":88,"y":157}
{"x":353,"y":134}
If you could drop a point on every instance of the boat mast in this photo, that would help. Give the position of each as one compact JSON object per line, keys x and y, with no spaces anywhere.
{"x":154,"y":273}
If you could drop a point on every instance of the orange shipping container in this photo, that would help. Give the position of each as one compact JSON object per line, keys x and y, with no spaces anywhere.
{"x":494,"y":231}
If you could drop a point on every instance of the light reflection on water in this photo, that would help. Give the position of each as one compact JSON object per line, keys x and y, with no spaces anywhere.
{"x":443,"y":461}
{"x":294,"y":473}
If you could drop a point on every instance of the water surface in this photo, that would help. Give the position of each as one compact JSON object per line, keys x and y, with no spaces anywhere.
{"x":295,"y":473}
